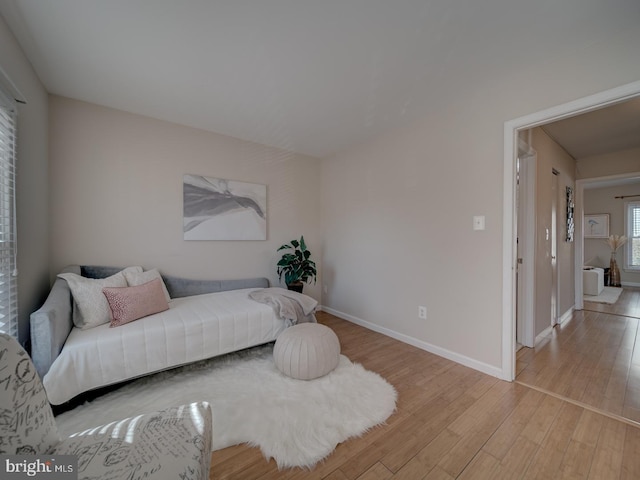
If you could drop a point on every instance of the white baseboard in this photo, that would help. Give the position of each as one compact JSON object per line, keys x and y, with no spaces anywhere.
{"x":630,"y":284}
{"x":543,"y":334}
{"x":441,"y":352}
{"x":567,"y":315}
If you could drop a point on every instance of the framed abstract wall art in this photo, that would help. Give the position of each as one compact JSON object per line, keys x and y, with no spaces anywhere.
{"x":596,"y":225}
{"x":219,"y":209}
{"x":570,"y":223}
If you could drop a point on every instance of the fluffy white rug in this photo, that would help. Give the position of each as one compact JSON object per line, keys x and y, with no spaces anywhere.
{"x":609,"y":295}
{"x":298,"y":423}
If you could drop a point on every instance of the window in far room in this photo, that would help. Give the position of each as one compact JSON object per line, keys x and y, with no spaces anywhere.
{"x":8,"y":247}
{"x":632,"y":248}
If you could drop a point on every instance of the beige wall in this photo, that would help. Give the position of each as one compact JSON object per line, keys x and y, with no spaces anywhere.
{"x":397,"y":219}
{"x":601,"y":200}
{"x":617,"y":163}
{"x":32,"y":180}
{"x":397,"y":211}
{"x":551,"y":156}
{"x":116,"y":194}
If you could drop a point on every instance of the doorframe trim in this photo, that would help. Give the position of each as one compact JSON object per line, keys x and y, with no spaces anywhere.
{"x":509,"y":217}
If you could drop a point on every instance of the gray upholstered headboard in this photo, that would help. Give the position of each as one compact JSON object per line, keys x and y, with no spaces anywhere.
{"x":51,"y":323}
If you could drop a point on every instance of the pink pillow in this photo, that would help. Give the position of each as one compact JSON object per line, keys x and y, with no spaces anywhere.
{"x":131,"y":303}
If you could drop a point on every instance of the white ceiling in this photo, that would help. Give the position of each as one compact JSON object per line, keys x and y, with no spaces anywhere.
{"x":310,"y":76}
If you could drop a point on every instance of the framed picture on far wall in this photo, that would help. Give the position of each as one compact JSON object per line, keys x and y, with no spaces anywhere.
{"x":596,"y":225}
{"x":219,"y":209}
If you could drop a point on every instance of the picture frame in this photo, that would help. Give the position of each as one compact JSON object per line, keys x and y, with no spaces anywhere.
{"x":596,"y":225}
{"x":222,"y":209}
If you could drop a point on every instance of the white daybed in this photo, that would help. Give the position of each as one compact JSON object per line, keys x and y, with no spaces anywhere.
{"x":196,"y":326}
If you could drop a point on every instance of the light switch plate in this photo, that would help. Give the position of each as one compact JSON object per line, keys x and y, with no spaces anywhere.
{"x":478,"y":222}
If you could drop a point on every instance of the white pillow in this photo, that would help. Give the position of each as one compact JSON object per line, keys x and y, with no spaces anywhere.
{"x":90,"y":305}
{"x":135,"y":279}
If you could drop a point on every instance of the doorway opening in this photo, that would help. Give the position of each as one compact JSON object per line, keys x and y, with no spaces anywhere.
{"x":510,"y":210}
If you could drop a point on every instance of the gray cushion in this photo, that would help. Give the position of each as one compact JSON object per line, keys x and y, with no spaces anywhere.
{"x":183,"y":287}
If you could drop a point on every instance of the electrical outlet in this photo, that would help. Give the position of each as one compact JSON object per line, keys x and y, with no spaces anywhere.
{"x":326,"y":288}
{"x":422,"y":312}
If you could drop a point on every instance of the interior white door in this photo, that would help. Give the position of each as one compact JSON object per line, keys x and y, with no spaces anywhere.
{"x":525,"y":269}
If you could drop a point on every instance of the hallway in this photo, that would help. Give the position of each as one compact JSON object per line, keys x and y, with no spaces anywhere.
{"x":593,"y":359}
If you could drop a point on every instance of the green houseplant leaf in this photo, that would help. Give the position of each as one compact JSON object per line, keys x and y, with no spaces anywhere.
{"x":296,"y":264}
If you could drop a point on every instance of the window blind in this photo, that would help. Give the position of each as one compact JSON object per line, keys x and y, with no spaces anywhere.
{"x":8,"y":240}
{"x":633,"y":229}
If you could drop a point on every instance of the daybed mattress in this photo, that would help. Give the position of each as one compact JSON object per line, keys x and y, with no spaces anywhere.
{"x":194,"y":328}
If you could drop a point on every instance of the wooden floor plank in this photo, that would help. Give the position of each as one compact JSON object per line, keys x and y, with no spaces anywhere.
{"x":492,"y":410}
{"x":517,"y":459}
{"x":438,"y":474}
{"x":428,"y":457}
{"x":548,"y":458}
{"x":376,"y":472}
{"x":540,"y":422}
{"x":505,"y":436}
{"x":631,"y":454}
{"x":576,"y":462}
{"x":482,"y":467}
{"x":440,"y":414}
{"x":607,"y":460}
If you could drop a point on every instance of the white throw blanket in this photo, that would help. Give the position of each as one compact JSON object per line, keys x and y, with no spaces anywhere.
{"x":288,"y":305}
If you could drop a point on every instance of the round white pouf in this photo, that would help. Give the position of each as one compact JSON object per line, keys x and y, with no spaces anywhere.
{"x":307,"y":351}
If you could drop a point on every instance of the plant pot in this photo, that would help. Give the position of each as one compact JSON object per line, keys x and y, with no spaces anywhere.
{"x":296,"y":287}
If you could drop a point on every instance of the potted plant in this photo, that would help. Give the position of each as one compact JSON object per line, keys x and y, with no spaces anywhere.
{"x":296,"y":265}
{"x":615,"y":242}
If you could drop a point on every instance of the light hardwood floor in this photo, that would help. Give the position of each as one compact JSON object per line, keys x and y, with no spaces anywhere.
{"x":455,"y":422}
{"x":594,"y":358}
